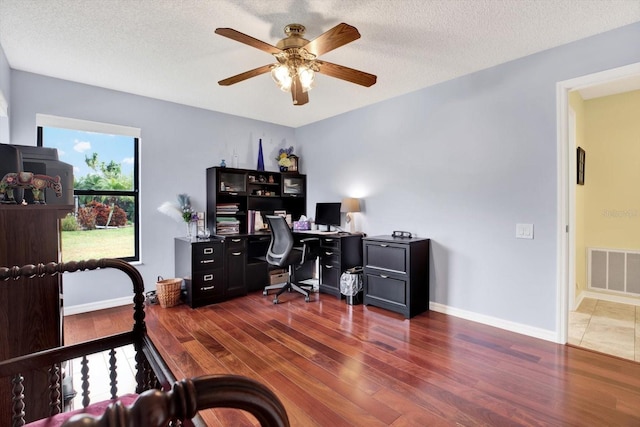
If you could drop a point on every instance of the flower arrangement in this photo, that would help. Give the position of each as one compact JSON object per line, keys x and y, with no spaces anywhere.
{"x":283,"y":157}
{"x":181,"y":211}
{"x":188,"y":214}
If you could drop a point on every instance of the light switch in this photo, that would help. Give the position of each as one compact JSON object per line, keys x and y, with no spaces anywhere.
{"x":524,"y":231}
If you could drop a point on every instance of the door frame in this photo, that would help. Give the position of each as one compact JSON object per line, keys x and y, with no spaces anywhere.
{"x":566,"y":204}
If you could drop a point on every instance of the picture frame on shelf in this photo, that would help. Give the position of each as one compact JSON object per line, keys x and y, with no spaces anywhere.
{"x":293,"y":167}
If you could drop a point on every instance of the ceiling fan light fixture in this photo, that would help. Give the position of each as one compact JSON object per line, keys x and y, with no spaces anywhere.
{"x":282,"y":76}
{"x":307,"y":77}
{"x":298,"y":59}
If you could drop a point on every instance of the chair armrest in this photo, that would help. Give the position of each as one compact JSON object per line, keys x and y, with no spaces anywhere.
{"x":310,"y":248}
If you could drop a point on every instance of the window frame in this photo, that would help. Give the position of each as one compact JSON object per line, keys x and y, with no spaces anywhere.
{"x":43,"y":121}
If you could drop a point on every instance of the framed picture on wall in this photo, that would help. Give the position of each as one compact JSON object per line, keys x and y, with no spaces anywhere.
{"x":581,"y":157}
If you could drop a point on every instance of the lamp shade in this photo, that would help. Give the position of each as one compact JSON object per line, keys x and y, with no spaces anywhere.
{"x":350,"y":204}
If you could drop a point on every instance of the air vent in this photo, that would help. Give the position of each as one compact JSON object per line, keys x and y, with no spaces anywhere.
{"x":614,"y":270}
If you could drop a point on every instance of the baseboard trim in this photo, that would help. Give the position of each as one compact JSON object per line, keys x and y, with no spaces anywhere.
{"x":98,"y":305}
{"x":621,"y":299}
{"x":518,"y":328}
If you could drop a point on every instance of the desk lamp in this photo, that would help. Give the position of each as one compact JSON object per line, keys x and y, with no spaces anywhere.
{"x":350,"y":205}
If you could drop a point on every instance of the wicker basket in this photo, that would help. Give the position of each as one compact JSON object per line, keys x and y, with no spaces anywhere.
{"x":168,"y":291}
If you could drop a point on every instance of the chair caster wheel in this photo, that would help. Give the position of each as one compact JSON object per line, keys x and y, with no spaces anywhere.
{"x":264,"y":293}
{"x":307,"y":299}
{"x":275,"y":300}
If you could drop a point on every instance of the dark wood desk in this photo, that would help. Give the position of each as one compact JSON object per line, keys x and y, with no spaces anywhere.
{"x":338,"y":252}
{"x":234,"y":265}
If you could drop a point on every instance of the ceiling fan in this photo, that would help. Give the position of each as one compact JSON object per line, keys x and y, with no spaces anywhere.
{"x":298,"y":59}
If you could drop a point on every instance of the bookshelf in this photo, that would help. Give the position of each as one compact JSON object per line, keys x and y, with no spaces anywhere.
{"x":235,"y":198}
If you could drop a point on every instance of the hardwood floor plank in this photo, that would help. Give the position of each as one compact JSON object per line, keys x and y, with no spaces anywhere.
{"x":333,"y":364}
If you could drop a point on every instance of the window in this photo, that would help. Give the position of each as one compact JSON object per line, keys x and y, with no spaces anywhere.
{"x":105,"y":221}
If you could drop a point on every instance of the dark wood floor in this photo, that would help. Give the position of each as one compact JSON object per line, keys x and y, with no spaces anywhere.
{"x":337,"y":365}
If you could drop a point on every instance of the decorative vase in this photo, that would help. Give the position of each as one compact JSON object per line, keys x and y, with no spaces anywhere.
{"x":260,"y":158}
{"x":189,"y":229}
{"x":283,"y":169}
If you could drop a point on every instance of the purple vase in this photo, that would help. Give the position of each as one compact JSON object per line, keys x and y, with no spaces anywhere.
{"x":260,"y":158}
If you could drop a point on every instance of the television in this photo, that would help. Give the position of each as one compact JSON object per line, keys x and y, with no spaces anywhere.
{"x":39,"y":160}
{"x":328,"y":214}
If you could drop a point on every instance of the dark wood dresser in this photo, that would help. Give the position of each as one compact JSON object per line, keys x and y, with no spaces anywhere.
{"x":30,"y":234}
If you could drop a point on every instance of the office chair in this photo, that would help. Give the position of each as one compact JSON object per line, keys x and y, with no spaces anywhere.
{"x":283,"y":253}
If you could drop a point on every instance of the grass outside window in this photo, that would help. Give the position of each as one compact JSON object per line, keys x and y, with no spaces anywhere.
{"x":99,"y":243}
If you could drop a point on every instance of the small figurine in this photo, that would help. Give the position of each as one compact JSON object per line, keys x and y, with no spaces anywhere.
{"x":271,"y":180}
{"x":223,"y":164}
{"x":34,"y":182}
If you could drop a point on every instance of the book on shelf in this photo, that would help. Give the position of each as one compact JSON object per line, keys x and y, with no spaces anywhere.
{"x":227,"y":225}
{"x":227,"y":208}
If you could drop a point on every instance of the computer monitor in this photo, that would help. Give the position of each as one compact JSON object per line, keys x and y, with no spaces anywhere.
{"x":328,"y":214}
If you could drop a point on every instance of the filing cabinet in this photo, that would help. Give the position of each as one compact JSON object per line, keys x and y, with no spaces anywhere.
{"x":338,"y":252}
{"x":201,"y":265}
{"x":396,"y":274}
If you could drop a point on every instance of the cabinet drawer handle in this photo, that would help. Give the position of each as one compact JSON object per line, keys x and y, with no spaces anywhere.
{"x":236,"y":253}
{"x":208,"y":277}
{"x":328,"y":266}
{"x":328,"y":240}
{"x":207,"y":251}
{"x":207,"y":261}
{"x":207,"y":288}
{"x":328,"y":253}
{"x":233,"y":193}
{"x":383,"y":245}
{"x":236,"y":240}
{"x":383,"y":276}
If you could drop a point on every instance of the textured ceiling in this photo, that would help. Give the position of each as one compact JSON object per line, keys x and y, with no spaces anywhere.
{"x":166,"y":49}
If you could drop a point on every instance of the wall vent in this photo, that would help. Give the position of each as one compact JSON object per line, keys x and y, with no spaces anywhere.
{"x":614,"y":270}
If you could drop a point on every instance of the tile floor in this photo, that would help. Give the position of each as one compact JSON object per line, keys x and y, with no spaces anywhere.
{"x":607,"y":327}
{"x":99,"y":381}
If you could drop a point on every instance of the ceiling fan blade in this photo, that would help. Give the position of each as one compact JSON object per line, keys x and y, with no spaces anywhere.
{"x":299,"y":96}
{"x":246,"y":75}
{"x":243,"y":38}
{"x":346,"y":73}
{"x":338,"y":36}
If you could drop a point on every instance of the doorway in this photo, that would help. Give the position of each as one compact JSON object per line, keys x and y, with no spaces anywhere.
{"x":609,"y":82}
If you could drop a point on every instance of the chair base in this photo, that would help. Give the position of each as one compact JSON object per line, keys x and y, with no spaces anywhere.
{"x":287,"y":287}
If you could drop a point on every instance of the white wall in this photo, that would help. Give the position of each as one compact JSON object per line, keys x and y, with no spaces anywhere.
{"x":461,"y":163}
{"x":178,"y":143}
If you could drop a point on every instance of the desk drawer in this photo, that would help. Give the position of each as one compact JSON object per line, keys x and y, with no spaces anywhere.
{"x":386,"y":256}
{"x":236,"y":243}
{"x":207,"y":256}
{"x":385,"y":288}
{"x":330,"y":274}
{"x":330,"y":242}
{"x":207,"y":284}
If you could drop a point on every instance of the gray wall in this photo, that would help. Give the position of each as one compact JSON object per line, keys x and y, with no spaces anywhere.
{"x":5,"y":89}
{"x":177,"y":144}
{"x":461,"y":163}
